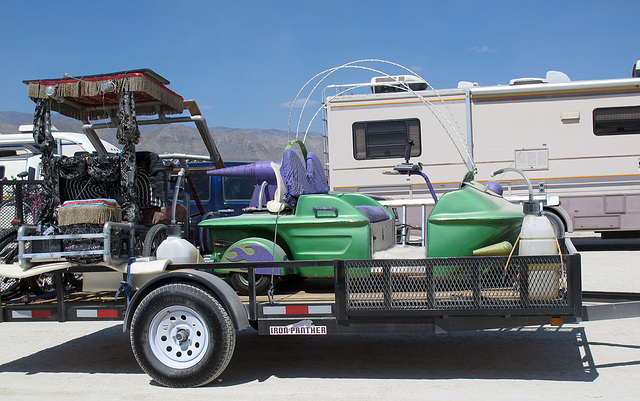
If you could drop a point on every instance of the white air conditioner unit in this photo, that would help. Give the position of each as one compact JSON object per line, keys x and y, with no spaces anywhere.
{"x":397,"y":83}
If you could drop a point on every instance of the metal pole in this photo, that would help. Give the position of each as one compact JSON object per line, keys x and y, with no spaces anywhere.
{"x":60,"y":295}
{"x":341,"y":294}
{"x":253,"y":309}
{"x":469,"y":129}
{"x":403,"y":239}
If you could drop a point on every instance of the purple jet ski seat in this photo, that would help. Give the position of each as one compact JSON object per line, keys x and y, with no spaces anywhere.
{"x":316,"y":174}
{"x":374,"y":213}
{"x":299,"y":180}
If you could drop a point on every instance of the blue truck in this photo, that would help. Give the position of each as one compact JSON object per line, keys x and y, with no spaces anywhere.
{"x":219,"y":196}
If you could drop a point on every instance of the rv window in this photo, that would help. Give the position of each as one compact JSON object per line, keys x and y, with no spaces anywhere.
{"x":616,"y":120}
{"x":385,"y":139}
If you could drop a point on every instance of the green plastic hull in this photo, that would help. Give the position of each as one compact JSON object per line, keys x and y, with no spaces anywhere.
{"x":469,"y":219}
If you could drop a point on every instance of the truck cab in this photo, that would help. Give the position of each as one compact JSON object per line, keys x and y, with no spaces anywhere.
{"x":222,"y":196}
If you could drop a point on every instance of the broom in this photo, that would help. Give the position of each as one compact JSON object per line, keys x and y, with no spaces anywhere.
{"x":86,"y":97}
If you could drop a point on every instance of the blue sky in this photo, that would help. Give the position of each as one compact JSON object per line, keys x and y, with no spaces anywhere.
{"x":244,"y":61}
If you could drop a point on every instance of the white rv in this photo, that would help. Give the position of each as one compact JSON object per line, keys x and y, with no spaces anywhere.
{"x":578,"y":142}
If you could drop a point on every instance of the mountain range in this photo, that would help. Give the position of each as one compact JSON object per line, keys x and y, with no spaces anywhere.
{"x":234,"y":144}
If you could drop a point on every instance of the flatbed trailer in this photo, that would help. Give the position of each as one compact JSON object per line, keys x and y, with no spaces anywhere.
{"x":183,"y":323}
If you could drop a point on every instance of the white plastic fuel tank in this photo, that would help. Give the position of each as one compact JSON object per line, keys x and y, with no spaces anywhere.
{"x":537,"y":236}
{"x":176,"y":248}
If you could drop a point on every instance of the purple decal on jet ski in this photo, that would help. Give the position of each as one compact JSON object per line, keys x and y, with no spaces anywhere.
{"x":260,"y":254}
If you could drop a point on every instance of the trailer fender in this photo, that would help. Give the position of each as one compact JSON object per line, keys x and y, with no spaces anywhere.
{"x":218,"y":288}
{"x":563,"y":215}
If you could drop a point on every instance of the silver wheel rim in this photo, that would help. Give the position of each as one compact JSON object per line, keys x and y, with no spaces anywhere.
{"x":178,"y":337}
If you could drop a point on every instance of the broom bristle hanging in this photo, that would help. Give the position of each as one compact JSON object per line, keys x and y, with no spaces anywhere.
{"x":88,"y":214}
{"x":83,"y":98}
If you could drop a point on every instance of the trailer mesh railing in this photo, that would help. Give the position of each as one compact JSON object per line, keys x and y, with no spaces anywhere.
{"x":457,"y":284}
{"x":21,"y":202}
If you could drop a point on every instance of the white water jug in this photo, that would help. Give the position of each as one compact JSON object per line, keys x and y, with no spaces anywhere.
{"x":177,"y":249}
{"x":537,"y":236}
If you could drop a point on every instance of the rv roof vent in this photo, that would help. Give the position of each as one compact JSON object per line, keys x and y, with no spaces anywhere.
{"x":552,"y":77}
{"x":397,"y":83}
{"x":636,"y":70}
{"x":466,"y":84}
{"x":526,"y":81}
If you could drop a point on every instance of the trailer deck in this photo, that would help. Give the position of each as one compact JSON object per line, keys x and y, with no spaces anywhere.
{"x":370,"y":290}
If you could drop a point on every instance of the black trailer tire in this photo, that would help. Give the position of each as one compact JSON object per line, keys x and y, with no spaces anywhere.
{"x":153,"y":239}
{"x":46,"y":283}
{"x":181,"y":336}
{"x":293,"y":278}
{"x":240,"y":283}
{"x":42,"y":284}
{"x":9,"y":287}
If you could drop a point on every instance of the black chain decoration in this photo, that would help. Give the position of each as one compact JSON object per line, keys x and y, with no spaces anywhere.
{"x":128,"y":135}
{"x":46,"y":143}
